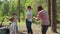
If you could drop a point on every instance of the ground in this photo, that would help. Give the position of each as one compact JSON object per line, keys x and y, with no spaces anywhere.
{"x":36,"y":29}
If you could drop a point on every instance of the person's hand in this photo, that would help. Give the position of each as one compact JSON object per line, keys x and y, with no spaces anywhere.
{"x":34,"y":17}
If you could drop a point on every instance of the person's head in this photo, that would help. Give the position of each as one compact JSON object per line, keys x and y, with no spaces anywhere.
{"x":40,"y":8}
{"x":29,"y":8}
{"x":14,"y":14}
{"x":12,"y":19}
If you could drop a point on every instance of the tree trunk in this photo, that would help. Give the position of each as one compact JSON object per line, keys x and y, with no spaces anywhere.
{"x":49,"y":10}
{"x":54,"y":25}
{"x":19,"y":9}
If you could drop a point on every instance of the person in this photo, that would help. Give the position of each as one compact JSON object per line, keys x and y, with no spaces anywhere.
{"x":29,"y":20}
{"x":12,"y":26}
{"x":17,"y":18}
{"x":43,"y":15}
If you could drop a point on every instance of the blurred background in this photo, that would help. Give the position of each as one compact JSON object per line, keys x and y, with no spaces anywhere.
{"x":7,"y":7}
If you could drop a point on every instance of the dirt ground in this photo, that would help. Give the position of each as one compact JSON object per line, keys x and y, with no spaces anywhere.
{"x":36,"y":29}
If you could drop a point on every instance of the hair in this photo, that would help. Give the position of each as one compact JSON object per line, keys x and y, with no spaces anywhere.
{"x":13,"y":13}
{"x":11,"y":19}
{"x":29,"y":7}
{"x":40,"y":8}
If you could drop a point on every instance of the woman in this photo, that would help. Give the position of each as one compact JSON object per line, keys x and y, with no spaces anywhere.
{"x":43,"y":15}
{"x":29,"y":20}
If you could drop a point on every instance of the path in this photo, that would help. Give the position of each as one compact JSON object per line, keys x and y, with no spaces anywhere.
{"x":36,"y":29}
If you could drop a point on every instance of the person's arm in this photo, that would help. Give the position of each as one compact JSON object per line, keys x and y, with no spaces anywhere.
{"x":38,"y":16}
{"x":18,"y":19}
{"x":29,"y":16}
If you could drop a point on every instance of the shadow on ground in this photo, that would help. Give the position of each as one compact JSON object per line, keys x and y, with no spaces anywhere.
{"x":23,"y":32}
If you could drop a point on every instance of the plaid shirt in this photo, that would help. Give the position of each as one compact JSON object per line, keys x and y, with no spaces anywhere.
{"x":43,"y":15}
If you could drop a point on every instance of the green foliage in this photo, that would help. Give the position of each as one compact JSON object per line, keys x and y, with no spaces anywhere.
{"x":58,"y":11}
{"x":8,"y":7}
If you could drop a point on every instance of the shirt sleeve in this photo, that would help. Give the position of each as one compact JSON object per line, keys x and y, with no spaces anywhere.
{"x":39,"y":15}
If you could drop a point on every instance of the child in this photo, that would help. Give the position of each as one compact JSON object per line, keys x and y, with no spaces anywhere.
{"x":14,"y":16}
{"x":12,"y":26}
{"x":29,"y":20}
{"x":43,"y":15}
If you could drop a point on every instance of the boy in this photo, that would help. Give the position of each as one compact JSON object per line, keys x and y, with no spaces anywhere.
{"x":29,"y":20}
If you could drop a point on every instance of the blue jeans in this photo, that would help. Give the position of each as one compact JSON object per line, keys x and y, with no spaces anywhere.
{"x":28,"y":25}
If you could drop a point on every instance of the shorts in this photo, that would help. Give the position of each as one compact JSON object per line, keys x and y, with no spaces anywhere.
{"x":16,"y":27}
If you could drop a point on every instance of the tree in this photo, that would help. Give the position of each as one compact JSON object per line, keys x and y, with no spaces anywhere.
{"x":54,"y":25}
{"x":6,"y":8}
{"x":19,"y":9}
{"x":49,"y":10}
